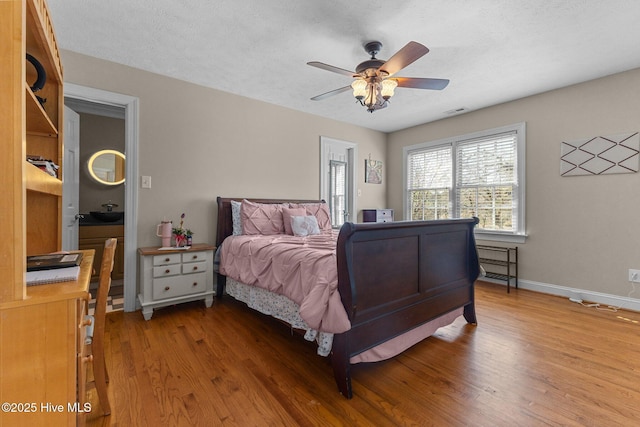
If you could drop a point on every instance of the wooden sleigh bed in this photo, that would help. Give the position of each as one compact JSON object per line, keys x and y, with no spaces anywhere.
{"x":394,"y":280}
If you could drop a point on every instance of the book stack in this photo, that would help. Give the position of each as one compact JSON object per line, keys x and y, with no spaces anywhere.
{"x":53,"y":268}
{"x":45,"y":165}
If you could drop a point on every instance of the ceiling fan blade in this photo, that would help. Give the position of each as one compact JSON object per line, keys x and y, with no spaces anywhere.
{"x":405,"y":56}
{"x":421,"y":83}
{"x":328,"y":67}
{"x":330,"y":93}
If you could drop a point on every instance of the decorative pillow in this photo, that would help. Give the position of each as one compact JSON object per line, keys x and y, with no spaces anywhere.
{"x":235,"y":218}
{"x":287,"y":213}
{"x":304,"y":225}
{"x":261,"y":218}
{"x":319,"y":210}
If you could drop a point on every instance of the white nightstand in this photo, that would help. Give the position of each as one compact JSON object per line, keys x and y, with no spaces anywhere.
{"x":169,"y":277}
{"x":377,"y":215}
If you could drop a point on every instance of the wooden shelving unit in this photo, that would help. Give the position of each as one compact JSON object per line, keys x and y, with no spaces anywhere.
{"x":42,"y":132}
{"x":500,"y":263}
{"x":41,"y":357}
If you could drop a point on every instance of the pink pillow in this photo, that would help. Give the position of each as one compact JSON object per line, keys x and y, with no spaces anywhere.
{"x":319,"y":210}
{"x":261,"y":218}
{"x":287,"y":213}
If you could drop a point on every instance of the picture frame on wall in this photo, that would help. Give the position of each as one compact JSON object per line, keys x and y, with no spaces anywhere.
{"x":373,"y":171}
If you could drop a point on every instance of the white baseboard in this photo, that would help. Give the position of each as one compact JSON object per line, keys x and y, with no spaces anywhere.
{"x":626,"y":303}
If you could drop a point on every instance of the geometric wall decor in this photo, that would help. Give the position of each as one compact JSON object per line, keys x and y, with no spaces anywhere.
{"x":601,"y":155}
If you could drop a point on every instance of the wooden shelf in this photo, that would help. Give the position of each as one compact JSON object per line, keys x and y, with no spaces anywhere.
{"x":42,"y":182}
{"x":38,"y":121}
{"x":41,"y":39}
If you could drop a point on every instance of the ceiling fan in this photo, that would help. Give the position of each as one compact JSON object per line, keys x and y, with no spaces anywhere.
{"x":374,"y":85}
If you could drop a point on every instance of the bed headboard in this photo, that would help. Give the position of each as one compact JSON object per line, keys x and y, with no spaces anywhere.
{"x":225,"y":224}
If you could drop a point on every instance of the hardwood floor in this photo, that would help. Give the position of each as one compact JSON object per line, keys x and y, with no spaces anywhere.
{"x":533,"y":359}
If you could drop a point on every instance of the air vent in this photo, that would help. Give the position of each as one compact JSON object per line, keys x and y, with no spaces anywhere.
{"x":456,"y":111}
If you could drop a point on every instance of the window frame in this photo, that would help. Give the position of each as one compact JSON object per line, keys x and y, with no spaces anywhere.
{"x":517,"y":236}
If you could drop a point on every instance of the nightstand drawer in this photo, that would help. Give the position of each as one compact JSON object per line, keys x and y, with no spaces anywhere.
{"x":167,"y":259}
{"x":194,"y":267}
{"x":194,"y":256}
{"x":384,"y":215}
{"x":166,"y":270}
{"x":169,"y":287}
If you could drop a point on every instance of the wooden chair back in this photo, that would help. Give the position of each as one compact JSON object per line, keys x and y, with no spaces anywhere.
{"x":101,"y":376}
{"x":104,"y":284}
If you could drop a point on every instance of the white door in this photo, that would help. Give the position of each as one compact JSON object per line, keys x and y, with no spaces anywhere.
{"x":70,"y":180}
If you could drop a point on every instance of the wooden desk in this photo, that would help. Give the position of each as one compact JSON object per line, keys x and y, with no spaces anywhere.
{"x":41,"y":349}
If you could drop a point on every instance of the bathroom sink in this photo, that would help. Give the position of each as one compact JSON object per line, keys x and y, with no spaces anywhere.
{"x":107,"y":216}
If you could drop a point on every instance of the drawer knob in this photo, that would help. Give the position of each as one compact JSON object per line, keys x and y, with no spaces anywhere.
{"x":167,"y":259}
{"x":167,"y":271}
{"x":195,"y":268}
{"x":166,"y":288}
{"x":195,"y":257}
{"x":195,"y":284}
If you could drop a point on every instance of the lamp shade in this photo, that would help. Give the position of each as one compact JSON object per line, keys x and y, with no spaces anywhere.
{"x":388,"y":87}
{"x":359,"y":88}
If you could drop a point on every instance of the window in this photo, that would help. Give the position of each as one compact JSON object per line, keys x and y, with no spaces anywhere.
{"x":480,"y":174}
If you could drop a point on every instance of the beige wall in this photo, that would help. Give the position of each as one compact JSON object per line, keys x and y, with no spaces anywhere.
{"x":198,"y":143}
{"x":583,"y":231}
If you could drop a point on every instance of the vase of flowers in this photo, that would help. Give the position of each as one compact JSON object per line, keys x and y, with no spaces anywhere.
{"x":180,"y":238}
{"x":181,"y":235}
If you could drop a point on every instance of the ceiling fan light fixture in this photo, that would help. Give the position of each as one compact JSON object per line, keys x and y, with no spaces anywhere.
{"x":359,"y":89}
{"x":388,"y":86}
{"x":372,"y":96}
{"x":372,"y":87}
{"x":372,"y":93}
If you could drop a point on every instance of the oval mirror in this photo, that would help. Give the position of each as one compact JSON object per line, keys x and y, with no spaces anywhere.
{"x":107,"y":167}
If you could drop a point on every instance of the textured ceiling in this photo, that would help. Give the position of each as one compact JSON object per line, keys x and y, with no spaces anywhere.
{"x":492,"y":50}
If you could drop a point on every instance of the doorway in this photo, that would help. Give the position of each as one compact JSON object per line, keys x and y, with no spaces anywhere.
{"x":110,"y":101}
{"x":338,"y":179}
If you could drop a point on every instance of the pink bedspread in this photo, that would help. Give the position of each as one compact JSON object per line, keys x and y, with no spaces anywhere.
{"x":301,"y":268}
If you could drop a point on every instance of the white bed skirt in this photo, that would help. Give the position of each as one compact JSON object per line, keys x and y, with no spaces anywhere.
{"x":284,"y":309}
{"x":281,"y":308}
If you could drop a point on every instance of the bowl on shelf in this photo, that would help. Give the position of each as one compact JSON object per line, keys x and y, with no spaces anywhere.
{"x":107,"y":216}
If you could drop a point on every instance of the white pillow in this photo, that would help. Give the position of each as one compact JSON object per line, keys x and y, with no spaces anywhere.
{"x":304,"y":225}
{"x":235,"y":218}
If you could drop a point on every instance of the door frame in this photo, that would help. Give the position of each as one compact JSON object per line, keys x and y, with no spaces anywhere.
{"x":352,"y":156}
{"x":132,"y":126}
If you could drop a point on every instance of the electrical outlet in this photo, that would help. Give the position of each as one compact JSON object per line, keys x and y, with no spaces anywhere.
{"x":634,"y":275}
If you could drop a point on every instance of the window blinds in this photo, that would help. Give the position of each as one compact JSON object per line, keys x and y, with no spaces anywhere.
{"x":486,"y":161}
{"x":431,"y":168}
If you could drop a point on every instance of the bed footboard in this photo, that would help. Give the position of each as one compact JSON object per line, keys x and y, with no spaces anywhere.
{"x":393,"y":277}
